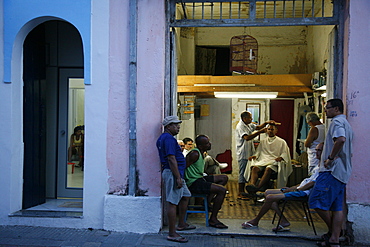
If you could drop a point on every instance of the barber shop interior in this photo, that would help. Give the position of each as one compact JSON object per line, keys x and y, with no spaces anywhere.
{"x":278,"y":73}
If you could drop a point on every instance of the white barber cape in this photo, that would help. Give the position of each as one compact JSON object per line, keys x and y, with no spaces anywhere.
{"x":267,"y":151}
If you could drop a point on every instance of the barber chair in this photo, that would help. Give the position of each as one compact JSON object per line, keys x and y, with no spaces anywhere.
{"x":226,"y":157}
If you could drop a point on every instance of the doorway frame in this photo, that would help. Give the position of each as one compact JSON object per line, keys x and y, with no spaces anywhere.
{"x":170,"y":83}
{"x":62,"y":190}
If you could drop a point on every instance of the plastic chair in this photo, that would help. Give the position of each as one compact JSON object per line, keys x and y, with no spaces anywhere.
{"x":73,"y":166}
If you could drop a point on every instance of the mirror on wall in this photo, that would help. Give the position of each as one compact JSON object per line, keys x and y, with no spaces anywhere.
{"x":255,"y":109}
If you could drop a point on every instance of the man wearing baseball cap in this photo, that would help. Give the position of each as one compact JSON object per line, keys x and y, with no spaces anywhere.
{"x":173,"y":168}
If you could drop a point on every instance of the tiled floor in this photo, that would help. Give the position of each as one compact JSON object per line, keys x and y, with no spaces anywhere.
{"x":76,"y":179}
{"x":297,"y":228}
{"x":73,"y":205}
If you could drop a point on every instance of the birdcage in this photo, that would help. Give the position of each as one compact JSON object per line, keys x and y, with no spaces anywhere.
{"x":243,"y":54}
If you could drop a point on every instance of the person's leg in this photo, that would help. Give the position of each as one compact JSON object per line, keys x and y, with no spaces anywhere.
{"x":272,"y":191}
{"x":171,"y":213}
{"x":325,"y":216}
{"x":220,"y":193}
{"x":265,"y":178}
{"x":284,"y":221}
{"x":217,"y":179}
{"x":337,"y":220}
{"x":69,"y":154}
{"x":270,"y":199}
{"x":220,"y":179}
{"x":242,"y":165}
{"x":254,"y":175}
{"x":241,"y":188}
{"x":183,"y":206}
{"x":337,"y":214}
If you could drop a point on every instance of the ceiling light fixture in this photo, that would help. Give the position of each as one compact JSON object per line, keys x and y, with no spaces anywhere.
{"x":246,"y":95}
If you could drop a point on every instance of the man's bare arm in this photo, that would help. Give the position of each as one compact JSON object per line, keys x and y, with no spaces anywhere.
{"x":312,"y":135}
{"x":191,"y":158}
{"x":255,"y":134}
{"x":338,"y":145}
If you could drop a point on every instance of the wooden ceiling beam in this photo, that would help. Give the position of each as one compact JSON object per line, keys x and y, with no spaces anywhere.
{"x":258,"y":80}
{"x":289,"y":89}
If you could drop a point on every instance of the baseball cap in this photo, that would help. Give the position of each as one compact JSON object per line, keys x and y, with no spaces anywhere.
{"x":170,"y":119}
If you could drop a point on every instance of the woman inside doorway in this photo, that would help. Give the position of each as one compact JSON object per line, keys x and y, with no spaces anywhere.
{"x":76,"y":146}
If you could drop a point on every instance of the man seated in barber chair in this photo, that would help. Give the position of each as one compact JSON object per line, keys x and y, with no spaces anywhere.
{"x":212,"y":166}
{"x":272,"y":156}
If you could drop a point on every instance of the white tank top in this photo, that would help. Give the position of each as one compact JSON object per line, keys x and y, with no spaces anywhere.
{"x":320,"y":138}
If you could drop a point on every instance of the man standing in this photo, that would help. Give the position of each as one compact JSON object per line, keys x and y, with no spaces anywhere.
{"x":210,"y":185}
{"x":315,"y":136}
{"x":173,"y":168}
{"x":244,"y":145}
{"x":335,"y":169}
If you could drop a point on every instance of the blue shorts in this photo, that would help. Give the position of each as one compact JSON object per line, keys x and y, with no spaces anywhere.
{"x":328,"y":193}
{"x":295,"y":194}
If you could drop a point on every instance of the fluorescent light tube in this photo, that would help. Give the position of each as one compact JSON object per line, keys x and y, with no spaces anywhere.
{"x":246,"y":95}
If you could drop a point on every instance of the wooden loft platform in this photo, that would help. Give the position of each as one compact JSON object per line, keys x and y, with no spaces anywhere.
{"x":287,"y":86}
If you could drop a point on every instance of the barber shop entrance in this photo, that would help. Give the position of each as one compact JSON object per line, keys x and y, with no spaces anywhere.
{"x":273,"y":58}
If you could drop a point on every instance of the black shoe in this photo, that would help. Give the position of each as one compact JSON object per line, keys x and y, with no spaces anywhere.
{"x":251,"y":189}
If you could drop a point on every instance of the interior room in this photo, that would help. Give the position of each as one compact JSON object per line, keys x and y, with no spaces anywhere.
{"x":292,"y":63}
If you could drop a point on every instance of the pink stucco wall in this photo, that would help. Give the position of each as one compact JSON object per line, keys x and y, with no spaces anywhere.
{"x":150,"y":81}
{"x":151,"y":65}
{"x":358,"y":97}
{"x":117,"y":128}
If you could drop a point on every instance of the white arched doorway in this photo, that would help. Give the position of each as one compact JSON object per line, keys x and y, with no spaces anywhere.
{"x":52,"y":93}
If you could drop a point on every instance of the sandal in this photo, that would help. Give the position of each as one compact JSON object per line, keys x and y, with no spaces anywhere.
{"x":179,"y":239}
{"x":247,"y":225}
{"x":188,"y":227}
{"x":281,"y":228}
{"x":219,"y":225}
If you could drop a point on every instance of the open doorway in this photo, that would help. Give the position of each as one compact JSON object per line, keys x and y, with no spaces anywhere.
{"x":53,"y":102}
{"x":288,"y":56}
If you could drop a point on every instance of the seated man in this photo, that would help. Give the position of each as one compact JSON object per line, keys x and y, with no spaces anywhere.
{"x":211,"y":185}
{"x":188,"y":142}
{"x":212,"y":166}
{"x":181,"y":144}
{"x":272,"y":155}
{"x":275,"y":195}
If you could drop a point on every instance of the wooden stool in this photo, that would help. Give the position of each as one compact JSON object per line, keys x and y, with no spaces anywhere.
{"x":199,"y":208}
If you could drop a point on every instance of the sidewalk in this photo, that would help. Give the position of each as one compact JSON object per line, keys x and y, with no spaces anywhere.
{"x":50,"y":236}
